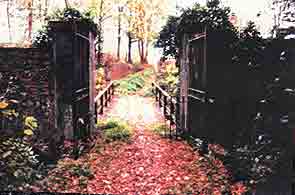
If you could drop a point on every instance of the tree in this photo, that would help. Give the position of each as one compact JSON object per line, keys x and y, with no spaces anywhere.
{"x":193,"y":20}
{"x":144,"y":20}
{"x":289,"y":11}
{"x":102,"y":10}
{"x":283,"y":11}
{"x":167,"y":37}
{"x":250,"y":46}
{"x":8,"y":19}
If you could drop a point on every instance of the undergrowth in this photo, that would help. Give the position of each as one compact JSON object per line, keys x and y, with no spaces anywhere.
{"x":67,"y":171}
{"x":115,"y":130}
{"x":160,"y":128}
{"x":134,"y":82}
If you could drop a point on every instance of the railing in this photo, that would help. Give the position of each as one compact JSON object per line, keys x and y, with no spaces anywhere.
{"x":168,"y":103}
{"x":103,"y":98}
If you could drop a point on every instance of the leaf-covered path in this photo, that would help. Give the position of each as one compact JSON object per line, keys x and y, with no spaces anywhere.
{"x":151,"y":164}
{"x":146,"y":164}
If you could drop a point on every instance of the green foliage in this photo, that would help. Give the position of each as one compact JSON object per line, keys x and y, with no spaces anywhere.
{"x":131,"y":84}
{"x":148,"y":73}
{"x":250,"y":46}
{"x":115,"y":130}
{"x":134,"y":82}
{"x":19,"y":164}
{"x":160,"y":128}
{"x":121,"y":132}
{"x":44,"y":37}
{"x":31,"y":125}
{"x":148,"y":91}
{"x":79,"y":170}
{"x":100,"y":78}
{"x":167,"y":37}
{"x":169,"y":79}
{"x":67,"y":171}
{"x":106,"y":124}
{"x":193,"y":20}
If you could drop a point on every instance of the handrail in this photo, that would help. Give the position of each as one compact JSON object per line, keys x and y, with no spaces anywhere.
{"x":104,"y":90}
{"x":164,"y":92}
{"x":103,"y":98}
{"x":168,"y":103}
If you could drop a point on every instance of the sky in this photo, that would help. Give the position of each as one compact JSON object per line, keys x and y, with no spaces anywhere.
{"x":244,"y":9}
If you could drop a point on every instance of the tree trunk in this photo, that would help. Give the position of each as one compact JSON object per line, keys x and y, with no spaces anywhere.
{"x":67,"y":4}
{"x":30,"y":20}
{"x":46,"y":7}
{"x":146,"y":51}
{"x":8,"y":20}
{"x":142,"y":52}
{"x":129,"y":48}
{"x":139,"y":49}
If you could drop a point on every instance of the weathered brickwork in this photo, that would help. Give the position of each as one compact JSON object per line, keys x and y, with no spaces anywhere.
{"x":30,"y":68}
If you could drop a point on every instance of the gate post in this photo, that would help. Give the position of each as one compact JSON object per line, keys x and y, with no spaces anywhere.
{"x":74,"y":65}
{"x":92,"y":78}
{"x":184,"y":75}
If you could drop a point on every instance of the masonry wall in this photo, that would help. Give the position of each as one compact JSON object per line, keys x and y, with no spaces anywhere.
{"x":30,"y":70}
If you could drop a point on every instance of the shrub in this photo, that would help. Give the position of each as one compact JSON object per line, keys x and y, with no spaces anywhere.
{"x":148,"y":92}
{"x":169,"y":79}
{"x":131,"y":84}
{"x":100,"y":78}
{"x":160,"y":128}
{"x":115,"y":130}
{"x":107,"y":124}
{"x":44,"y":37}
{"x":19,"y":164}
{"x":62,"y":177}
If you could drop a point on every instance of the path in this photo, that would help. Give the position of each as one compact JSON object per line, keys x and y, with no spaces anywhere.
{"x":151,"y":164}
{"x":147,"y":164}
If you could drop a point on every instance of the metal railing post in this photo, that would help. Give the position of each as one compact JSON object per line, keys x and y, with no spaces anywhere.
{"x":106,"y":98}
{"x":101,"y":104}
{"x":160,"y":97}
{"x":95,"y":111}
{"x":165,"y":105}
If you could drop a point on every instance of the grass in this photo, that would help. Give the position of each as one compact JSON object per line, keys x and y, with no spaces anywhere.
{"x":160,"y":128}
{"x":115,"y":130}
{"x":134,"y":82}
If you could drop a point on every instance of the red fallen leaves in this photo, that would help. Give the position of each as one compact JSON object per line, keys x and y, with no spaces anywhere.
{"x":152,"y":165}
{"x":149,"y":164}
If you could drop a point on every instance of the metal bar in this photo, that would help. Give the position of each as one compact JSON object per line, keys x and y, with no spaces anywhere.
{"x":165,"y":105}
{"x":196,"y":90}
{"x":197,"y":38}
{"x":171,"y":109}
{"x":82,"y":36}
{"x":106,"y":98}
{"x":205,"y":59}
{"x":95,"y":111}
{"x":101,"y":104}
{"x":196,"y":98}
{"x":81,"y":90}
{"x":160,"y":96}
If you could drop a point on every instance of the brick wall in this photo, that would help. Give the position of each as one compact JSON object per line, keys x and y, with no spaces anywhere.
{"x":31,"y":69}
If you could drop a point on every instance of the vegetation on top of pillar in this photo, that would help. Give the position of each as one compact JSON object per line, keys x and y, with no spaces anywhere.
{"x":250,"y":47}
{"x":194,"y":20}
{"x":44,"y":37}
